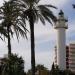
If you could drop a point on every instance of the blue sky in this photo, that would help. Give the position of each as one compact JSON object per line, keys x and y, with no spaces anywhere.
{"x":45,"y":37}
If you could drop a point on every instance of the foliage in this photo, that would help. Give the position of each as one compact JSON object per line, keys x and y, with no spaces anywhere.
{"x":3,"y":33}
{"x":32,"y":11}
{"x":41,"y":69}
{"x":10,"y":16}
{"x":39,"y":12}
{"x":11,"y":20}
{"x":56,"y":71}
{"x":16,"y":65}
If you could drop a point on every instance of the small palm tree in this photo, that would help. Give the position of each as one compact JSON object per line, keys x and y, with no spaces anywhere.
{"x":17,"y":65}
{"x":12,"y":22}
{"x":32,"y":11}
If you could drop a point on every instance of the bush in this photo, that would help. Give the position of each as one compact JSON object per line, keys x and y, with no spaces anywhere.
{"x":12,"y":66}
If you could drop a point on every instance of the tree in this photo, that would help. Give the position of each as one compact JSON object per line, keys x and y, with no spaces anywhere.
{"x":53,"y":66}
{"x":32,"y":11}
{"x":12,"y":22}
{"x":40,"y":70}
{"x":17,"y":65}
{"x":41,"y":67}
{"x":54,"y":70}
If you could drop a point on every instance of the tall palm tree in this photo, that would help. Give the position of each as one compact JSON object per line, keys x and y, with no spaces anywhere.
{"x":12,"y":22}
{"x":32,"y":11}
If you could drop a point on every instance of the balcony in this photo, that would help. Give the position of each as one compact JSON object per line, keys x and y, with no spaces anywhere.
{"x":61,"y":25}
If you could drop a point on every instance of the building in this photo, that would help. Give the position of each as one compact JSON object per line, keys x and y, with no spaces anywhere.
{"x":61,"y":27}
{"x":70,"y":57}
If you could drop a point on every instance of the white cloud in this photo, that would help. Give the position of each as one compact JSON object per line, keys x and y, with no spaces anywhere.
{"x":45,"y":58}
{"x":2,"y":1}
{"x":58,"y":3}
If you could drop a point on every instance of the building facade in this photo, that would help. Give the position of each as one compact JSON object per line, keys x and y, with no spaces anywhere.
{"x":72,"y":57}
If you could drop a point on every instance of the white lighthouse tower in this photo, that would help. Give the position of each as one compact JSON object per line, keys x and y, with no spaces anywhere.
{"x":61,"y":27}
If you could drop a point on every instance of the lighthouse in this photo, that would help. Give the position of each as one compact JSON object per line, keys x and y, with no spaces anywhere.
{"x":61,"y":27}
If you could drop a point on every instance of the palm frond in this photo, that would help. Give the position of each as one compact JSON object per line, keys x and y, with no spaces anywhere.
{"x":73,"y":6}
{"x":51,"y":6}
{"x":12,"y":16}
{"x":47,"y":13}
{"x":20,"y":31}
{"x":41,"y":18}
{"x":3,"y":32}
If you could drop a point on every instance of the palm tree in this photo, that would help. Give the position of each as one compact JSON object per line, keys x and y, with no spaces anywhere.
{"x":17,"y":65}
{"x":12,"y":22}
{"x":32,"y":11}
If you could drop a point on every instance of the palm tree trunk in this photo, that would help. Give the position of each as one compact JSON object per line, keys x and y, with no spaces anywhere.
{"x":9,"y":43}
{"x":32,"y":45}
{"x":9,"y":50}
